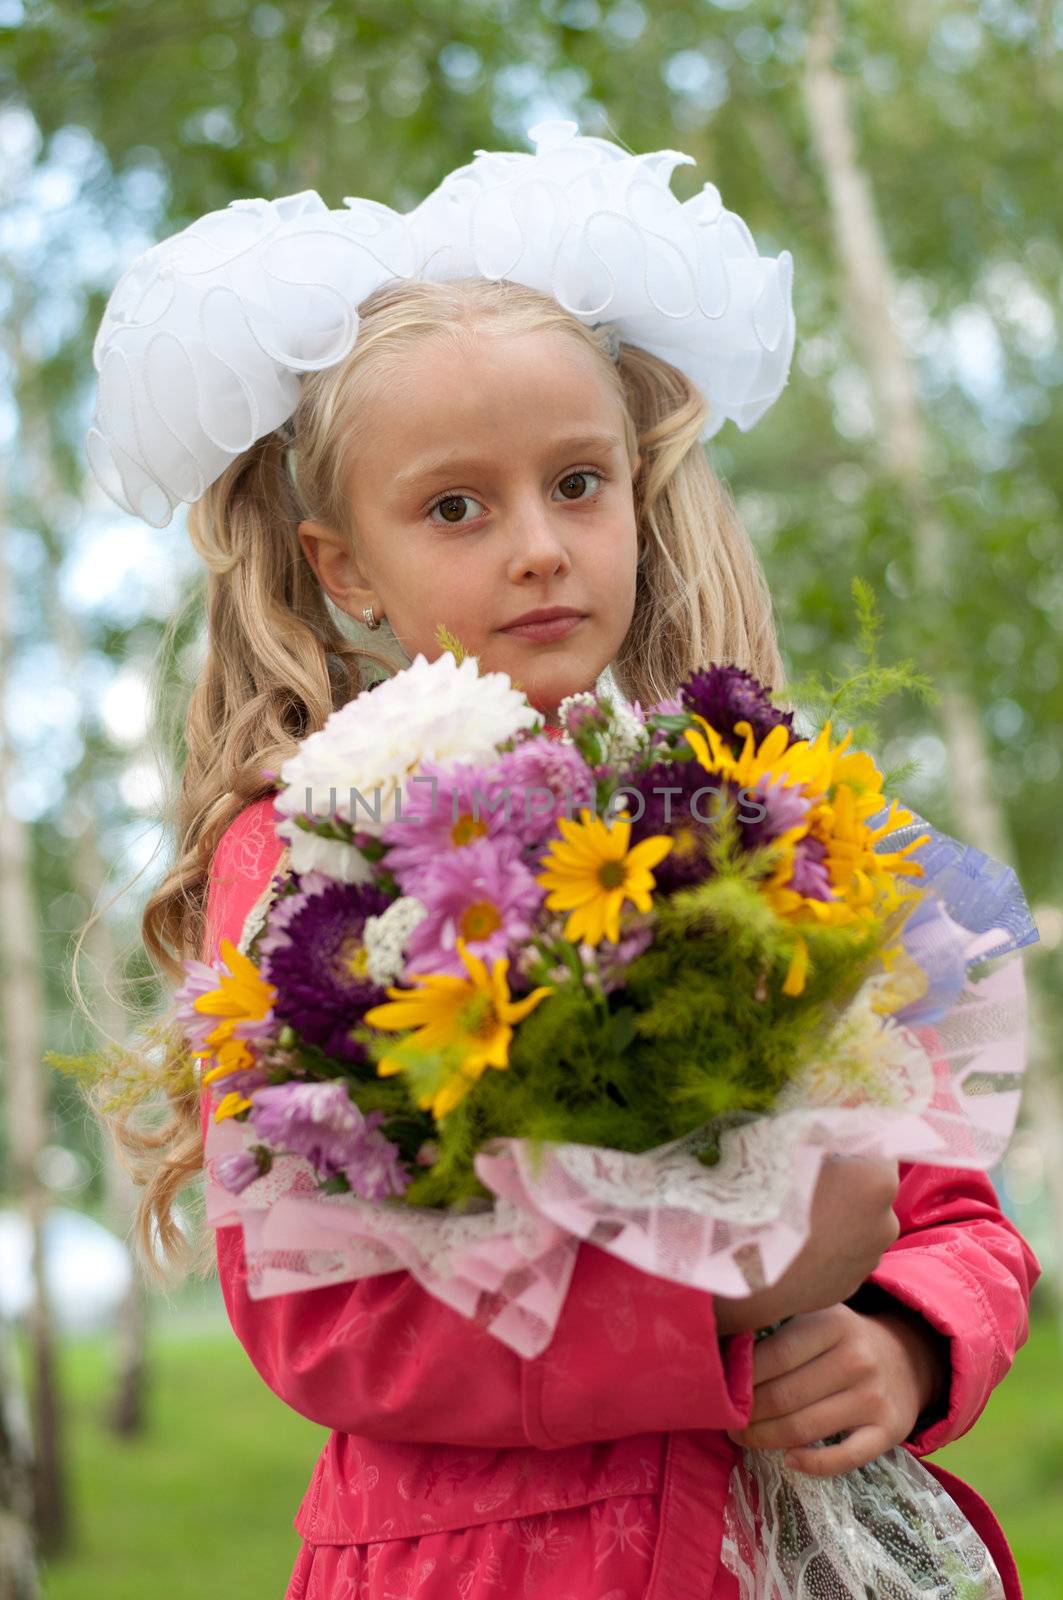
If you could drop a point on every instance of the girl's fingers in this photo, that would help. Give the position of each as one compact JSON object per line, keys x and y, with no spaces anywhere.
{"x":836,"y":1414}
{"x":862,"y":1445}
{"x":802,"y":1387}
{"x":798,"y":1341}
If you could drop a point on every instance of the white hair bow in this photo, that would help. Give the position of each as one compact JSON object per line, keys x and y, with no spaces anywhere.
{"x":205,"y":336}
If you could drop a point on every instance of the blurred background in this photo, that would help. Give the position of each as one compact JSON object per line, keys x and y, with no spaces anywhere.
{"x":908,"y":155}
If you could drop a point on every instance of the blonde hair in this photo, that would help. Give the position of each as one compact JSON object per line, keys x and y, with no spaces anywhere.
{"x":278,"y":662}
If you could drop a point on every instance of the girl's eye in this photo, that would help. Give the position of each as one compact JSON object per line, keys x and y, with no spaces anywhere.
{"x":577,"y":478}
{"x":451,"y":506}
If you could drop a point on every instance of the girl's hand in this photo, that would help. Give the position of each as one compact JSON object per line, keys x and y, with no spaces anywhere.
{"x":837,"y":1371}
{"x":852,"y":1226}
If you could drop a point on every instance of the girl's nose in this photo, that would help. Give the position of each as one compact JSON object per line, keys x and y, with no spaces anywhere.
{"x":539,"y":549}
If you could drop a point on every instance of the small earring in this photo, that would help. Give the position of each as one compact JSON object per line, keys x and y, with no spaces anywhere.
{"x":370,"y":620}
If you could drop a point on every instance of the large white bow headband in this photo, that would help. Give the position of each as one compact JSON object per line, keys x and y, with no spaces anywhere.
{"x":204,"y":337}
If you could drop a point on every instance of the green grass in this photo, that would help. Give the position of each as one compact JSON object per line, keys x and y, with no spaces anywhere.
{"x":202,"y":1504}
{"x":1013,"y":1456}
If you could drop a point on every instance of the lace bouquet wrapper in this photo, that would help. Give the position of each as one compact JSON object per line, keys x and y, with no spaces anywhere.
{"x":887,"y":1530}
{"x":630,"y":985}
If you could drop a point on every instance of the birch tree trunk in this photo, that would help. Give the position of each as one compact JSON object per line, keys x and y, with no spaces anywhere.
{"x":18,"y":1564}
{"x":126,"y":1407}
{"x":125,"y":1412}
{"x":22,"y":1010}
{"x":903,"y":442}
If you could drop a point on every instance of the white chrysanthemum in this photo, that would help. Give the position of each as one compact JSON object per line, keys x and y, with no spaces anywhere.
{"x":308,"y":852}
{"x":386,"y":937}
{"x":355,"y":766}
{"x":866,"y":1058}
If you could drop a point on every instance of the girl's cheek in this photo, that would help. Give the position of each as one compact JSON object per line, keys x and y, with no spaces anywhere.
{"x":446,"y":595}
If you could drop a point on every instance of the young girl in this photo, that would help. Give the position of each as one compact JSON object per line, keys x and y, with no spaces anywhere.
{"x":483,"y":458}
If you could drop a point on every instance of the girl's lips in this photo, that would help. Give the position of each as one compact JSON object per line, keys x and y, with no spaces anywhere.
{"x":545,"y":632}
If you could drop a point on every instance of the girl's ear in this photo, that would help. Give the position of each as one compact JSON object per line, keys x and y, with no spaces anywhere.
{"x":335,"y":567}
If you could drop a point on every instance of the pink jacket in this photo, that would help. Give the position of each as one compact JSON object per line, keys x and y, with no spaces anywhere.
{"x":598,"y":1469}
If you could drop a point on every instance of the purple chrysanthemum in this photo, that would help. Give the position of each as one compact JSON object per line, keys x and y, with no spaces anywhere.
{"x":315,"y":956}
{"x":724,"y":695}
{"x":690,"y":818}
{"x":375,"y":1170}
{"x":288,"y":904}
{"x":784,"y":807}
{"x":321,"y":1122}
{"x":483,"y":894}
{"x":810,"y":876}
{"x":315,"y":1120}
{"x":673,"y":806}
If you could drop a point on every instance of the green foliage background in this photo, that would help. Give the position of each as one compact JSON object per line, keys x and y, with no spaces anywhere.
{"x":123,"y":120}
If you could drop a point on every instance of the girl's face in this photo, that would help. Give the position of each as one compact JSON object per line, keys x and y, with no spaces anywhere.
{"x":488,"y":483}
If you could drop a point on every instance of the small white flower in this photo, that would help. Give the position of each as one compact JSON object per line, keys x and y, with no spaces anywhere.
{"x":620,"y":732}
{"x":385,"y":938}
{"x":575,"y":705}
{"x":626,"y":735}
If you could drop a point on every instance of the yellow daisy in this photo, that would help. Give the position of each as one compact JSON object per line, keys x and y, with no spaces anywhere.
{"x":797,"y":971}
{"x":242,"y":996}
{"x":846,"y":789}
{"x":590,"y":872}
{"x":470,"y":1019}
{"x":231,"y":1105}
{"x":810,"y":765}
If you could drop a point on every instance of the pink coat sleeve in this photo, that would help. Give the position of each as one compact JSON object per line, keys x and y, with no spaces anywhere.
{"x":962,"y":1266}
{"x":384,"y":1359}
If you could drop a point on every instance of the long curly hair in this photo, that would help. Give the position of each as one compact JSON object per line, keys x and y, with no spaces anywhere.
{"x":279,"y":659}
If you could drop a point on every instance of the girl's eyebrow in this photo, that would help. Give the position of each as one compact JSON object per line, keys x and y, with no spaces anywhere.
{"x":454,"y":466}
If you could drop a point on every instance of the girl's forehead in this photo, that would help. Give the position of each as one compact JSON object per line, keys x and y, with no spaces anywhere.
{"x":522,"y":390}
{"x":506,"y":355}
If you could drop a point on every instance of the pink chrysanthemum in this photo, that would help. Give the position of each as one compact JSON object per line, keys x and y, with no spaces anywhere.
{"x":234,"y":1172}
{"x":544,"y":780}
{"x":483,"y":894}
{"x":446,"y":809}
{"x":321,"y":1122}
{"x":785,"y":804}
{"x":200,"y":979}
{"x":671,"y":706}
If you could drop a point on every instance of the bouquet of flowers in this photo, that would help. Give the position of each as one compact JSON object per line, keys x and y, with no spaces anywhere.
{"x":627,"y":980}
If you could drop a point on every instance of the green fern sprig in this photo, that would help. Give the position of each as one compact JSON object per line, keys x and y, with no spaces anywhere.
{"x":121,"y":1077}
{"x":850,"y":699}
